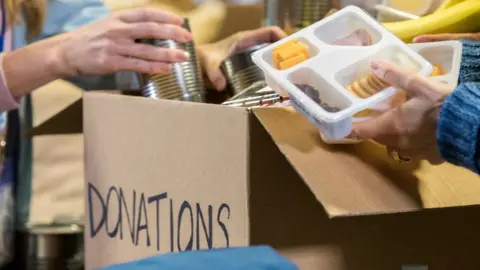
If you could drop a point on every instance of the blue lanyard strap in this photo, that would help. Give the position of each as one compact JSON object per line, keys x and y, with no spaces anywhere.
{"x":4,"y":25}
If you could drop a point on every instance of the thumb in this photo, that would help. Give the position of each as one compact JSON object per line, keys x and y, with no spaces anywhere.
{"x":377,"y":129}
{"x":411,"y":82}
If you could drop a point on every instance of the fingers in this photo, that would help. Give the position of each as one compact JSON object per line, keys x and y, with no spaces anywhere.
{"x":445,"y":37}
{"x":152,"y":30}
{"x":138,"y":65}
{"x":377,"y":129}
{"x":215,"y":75}
{"x":276,"y":33}
{"x":152,"y":53}
{"x":210,"y":62}
{"x":396,"y":76}
{"x":259,"y":36}
{"x":150,"y":15}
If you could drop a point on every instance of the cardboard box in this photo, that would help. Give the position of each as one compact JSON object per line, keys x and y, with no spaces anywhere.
{"x":57,"y":194}
{"x":166,"y":176}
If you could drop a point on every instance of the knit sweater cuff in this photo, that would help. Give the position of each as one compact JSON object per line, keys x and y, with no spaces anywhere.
{"x":470,"y":66}
{"x":458,"y":126}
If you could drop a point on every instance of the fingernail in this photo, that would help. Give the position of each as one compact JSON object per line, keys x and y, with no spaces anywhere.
{"x":418,"y":39}
{"x":186,"y":54}
{"x":188,"y":37}
{"x":355,"y":136}
{"x":376,"y":68}
{"x":219,"y":83}
{"x":374,"y":64}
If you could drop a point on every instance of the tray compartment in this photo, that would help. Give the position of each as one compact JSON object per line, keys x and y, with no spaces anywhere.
{"x":348,"y":30}
{"x":319,"y":90}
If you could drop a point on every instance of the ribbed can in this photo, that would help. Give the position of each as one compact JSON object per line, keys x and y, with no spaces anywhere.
{"x":311,"y":11}
{"x":240,"y":70}
{"x":295,"y":13}
{"x":184,"y":82}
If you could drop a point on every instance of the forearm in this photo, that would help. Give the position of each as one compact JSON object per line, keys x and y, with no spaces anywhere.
{"x":30,"y":67}
{"x":459,"y":125}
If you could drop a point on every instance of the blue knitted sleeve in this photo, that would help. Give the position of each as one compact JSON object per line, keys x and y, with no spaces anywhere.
{"x":459,"y":119}
{"x":458,"y":126}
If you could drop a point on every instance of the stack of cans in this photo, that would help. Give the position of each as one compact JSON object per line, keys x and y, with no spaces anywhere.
{"x":184,"y":82}
{"x":293,"y":15}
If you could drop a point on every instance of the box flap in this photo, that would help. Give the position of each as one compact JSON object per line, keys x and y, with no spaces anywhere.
{"x":67,"y":121}
{"x":177,"y":169}
{"x":361,"y":179}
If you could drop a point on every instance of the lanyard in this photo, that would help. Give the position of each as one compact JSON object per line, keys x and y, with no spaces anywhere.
{"x":2,"y":36}
{"x":5,"y":151}
{"x":4,"y":25}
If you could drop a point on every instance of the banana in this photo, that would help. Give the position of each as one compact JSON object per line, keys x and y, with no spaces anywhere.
{"x":448,"y":3}
{"x":463,"y":17}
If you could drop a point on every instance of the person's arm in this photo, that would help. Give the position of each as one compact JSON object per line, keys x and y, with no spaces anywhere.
{"x":18,"y":78}
{"x":7,"y":100}
{"x":105,"y":47}
{"x":459,"y":125}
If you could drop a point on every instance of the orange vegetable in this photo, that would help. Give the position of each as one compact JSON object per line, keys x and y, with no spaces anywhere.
{"x":292,"y":61}
{"x":289,"y":54}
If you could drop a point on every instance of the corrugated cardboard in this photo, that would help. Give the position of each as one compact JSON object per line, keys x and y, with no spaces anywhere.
{"x":196,"y":176}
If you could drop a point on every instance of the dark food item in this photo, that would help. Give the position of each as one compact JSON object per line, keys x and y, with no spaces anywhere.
{"x":328,"y":108}
{"x":312,"y":93}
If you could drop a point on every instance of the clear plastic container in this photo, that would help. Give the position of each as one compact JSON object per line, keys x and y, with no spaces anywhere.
{"x":331,"y":68}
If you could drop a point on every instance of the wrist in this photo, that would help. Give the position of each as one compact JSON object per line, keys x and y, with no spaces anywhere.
{"x":57,"y":63}
{"x":32,"y":66}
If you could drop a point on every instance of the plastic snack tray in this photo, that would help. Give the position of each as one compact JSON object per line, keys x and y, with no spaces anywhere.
{"x":330,"y":68}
